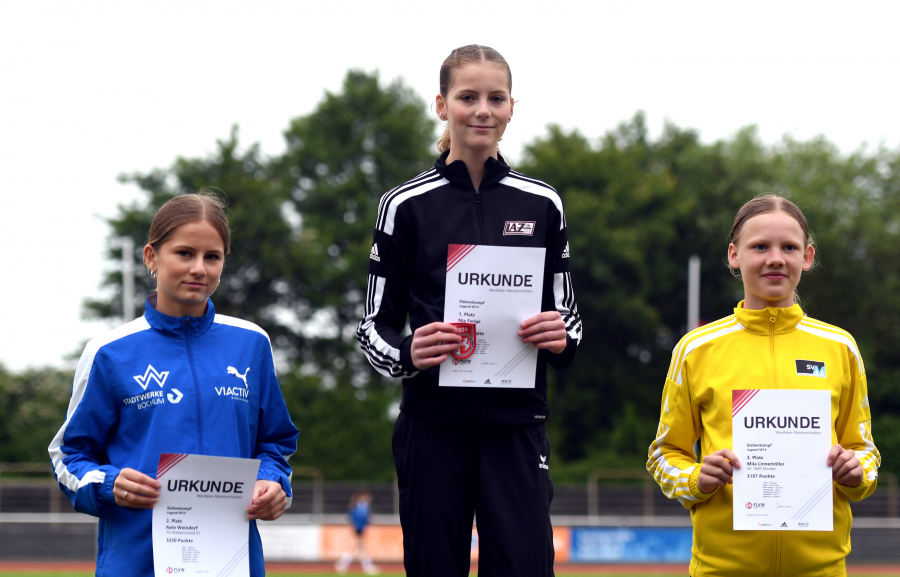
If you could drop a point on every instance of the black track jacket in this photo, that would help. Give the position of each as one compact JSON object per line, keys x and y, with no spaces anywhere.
{"x":407,"y":271}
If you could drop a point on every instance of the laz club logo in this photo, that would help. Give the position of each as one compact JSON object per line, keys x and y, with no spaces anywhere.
{"x":518,"y":228}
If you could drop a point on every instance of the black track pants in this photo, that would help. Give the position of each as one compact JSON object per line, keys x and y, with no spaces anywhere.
{"x":449,"y":474}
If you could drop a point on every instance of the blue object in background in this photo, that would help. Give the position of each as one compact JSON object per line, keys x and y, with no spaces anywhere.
{"x":359,"y":515}
{"x":637,"y":544}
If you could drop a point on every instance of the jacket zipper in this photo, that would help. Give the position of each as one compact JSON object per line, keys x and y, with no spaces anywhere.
{"x":187,"y":340}
{"x":772,"y":320}
{"x":480,"y":215}
{"x":777,"y":553}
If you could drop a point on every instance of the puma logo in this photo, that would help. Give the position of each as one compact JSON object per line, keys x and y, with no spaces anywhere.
{"x":234,"y":371}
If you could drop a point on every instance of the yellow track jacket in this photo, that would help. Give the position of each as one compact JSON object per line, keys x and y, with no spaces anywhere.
{"x":757,"y":350}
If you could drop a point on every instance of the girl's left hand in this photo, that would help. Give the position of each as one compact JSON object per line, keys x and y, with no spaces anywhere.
{"x":545,"y":331}
{"x":269,"y":501}
{"x":846,"y":469}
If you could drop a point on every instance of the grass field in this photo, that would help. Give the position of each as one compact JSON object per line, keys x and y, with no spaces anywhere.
{"x":588,"y":571}
{"x":332,"y":574}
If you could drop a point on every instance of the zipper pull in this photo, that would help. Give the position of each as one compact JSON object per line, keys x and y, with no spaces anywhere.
{"x":477,"y":196}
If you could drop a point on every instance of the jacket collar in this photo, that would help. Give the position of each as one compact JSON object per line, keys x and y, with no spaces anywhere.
{"x":457,"y":172}
{"x":177,"y":326}
{"x":785,"y":320}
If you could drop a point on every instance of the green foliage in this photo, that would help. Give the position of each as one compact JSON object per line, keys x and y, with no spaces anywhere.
{"x":32,"y":409}
{"x":886,"y":431}
{"x":302,"y":227}
{"x":344,"y":433}
{"x":637,"y":209}
{"x":339,"y":161}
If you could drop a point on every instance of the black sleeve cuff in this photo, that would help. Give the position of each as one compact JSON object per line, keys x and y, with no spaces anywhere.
{"x":406,"y":356}
{"x":565,"y":358}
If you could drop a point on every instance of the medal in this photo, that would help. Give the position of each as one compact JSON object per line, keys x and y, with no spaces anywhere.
{"x":467,"y":346}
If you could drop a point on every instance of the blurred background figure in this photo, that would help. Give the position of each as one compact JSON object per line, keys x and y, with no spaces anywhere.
{"x":358,"y":512}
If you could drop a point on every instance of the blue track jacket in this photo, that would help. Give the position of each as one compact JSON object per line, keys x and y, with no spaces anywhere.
{"x":159,"y":384}
{"x":359,"y":515}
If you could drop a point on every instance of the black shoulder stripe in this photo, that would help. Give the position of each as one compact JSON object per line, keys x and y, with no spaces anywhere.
{"x":388,"y":194}
{"x":386,"y":200}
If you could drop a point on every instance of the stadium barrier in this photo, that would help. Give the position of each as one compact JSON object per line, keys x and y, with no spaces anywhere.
{"x":639,"y":524}
{"x":295,"y":542}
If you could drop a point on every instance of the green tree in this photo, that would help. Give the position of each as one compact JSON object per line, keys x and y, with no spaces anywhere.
{"x":638,"y":209}
{"x":340,"y":159}
{"x":619,"y":212}
{"x":32,"y":409}
{"x":302,"y":225}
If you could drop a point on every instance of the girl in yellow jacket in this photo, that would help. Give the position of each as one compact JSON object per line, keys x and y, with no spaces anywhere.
{"x":757,"y":348}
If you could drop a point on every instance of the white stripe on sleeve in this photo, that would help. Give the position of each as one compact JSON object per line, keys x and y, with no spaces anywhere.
{"x":82,"y":373}
{"x":564,"y":300}
{"x":384,"y":357}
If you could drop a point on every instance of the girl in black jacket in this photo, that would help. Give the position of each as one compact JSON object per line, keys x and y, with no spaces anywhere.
{"x":466,"y":451}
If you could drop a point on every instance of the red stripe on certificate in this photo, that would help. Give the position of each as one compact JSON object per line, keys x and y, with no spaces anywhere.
{"x":167,"y":461}
{"x":739,"y":400}
{"x":457,"y":252}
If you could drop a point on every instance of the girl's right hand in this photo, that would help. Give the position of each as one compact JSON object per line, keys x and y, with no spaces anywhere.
{"x":717,"y":470}
{"x":135,"y":489}
{"x":432,"y":343}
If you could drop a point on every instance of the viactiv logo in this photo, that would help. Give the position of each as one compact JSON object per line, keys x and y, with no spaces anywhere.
{"x":749,"y":505}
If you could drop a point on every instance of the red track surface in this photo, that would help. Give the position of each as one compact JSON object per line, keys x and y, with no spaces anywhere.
{"x":580,"y":568}
{"x":276,"y":568}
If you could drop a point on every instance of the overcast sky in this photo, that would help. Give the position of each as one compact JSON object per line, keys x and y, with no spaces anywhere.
{"x":90,"y":89}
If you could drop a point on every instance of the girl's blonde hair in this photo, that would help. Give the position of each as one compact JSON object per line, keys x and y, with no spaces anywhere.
{"x":763,"y":204}
{"x":473,"y":53}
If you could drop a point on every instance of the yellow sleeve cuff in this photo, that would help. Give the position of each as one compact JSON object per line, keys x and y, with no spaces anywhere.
{"x":858,"y":493}
{"x":696,"y":493}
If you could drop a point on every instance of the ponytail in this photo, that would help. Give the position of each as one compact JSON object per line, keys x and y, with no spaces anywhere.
{"x":444,"y":143}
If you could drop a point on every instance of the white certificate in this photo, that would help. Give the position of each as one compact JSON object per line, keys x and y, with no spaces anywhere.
{"x":200,"y":524}
{"x":782,"y":438}
{"x":495,"y":288}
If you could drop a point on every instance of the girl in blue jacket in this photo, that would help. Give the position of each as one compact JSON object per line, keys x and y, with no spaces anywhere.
{"x":358,"y":512}
{"x":180,"y":379}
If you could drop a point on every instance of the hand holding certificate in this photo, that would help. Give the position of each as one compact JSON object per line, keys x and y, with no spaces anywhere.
{"x":494,"y":289}
{"x":783,"y":438}
{"x":200,"y":523}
